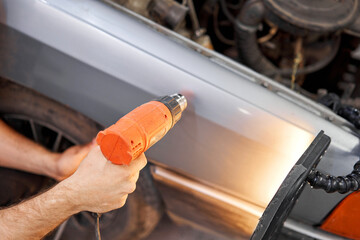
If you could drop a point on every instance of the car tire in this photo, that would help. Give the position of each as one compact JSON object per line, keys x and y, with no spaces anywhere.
{"x":143,"y":209}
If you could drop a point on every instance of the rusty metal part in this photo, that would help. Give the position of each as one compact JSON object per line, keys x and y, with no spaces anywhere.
{"x":205,"y":41}
{"x":246,"y":25}
{"x":324,"y":53}
{"x":167,"y":12}
{"x":198,"y":31}
{"x":138,"y":6}
{"x":317,"y":16}
{"x":297,"y":60}
{"x":268,"y":36}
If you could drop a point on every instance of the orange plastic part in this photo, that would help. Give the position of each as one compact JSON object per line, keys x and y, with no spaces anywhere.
{"x":134,"y":133}
{"x":345,"y":219}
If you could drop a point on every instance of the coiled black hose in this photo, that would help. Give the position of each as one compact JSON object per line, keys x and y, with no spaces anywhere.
{"x":350,"y":113}
{"x":341,"y":184}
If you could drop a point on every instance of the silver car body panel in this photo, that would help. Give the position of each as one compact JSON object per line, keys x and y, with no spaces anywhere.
{"x":241,"y":133}
{"x":310,"y":231}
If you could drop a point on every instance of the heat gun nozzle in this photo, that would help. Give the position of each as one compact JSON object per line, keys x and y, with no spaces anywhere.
{"x":181,"y":101}
{"x":176,"y":103}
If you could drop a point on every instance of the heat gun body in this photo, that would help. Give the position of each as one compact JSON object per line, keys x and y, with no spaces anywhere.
{"x":141,"y":128}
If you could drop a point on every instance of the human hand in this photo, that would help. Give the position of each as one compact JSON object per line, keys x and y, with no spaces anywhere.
{"x":66,"y":163}
{"x":100,"y":186}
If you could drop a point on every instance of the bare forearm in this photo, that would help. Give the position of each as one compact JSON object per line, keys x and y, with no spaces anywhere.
{"x":96,"y":186}
{"x":23,"y":154}
{"x":36,"y":217}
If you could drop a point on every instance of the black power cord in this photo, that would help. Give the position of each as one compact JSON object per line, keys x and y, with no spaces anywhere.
{"x":97,"y":225}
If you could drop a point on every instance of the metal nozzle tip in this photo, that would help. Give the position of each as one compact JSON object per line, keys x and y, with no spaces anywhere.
{"x":181,"y":101}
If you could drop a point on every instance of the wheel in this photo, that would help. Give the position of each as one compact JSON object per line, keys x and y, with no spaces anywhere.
{"x":58,"y":127}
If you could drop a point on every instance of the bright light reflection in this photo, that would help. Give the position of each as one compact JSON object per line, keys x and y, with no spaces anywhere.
{"x":266,"y":159}
{"x":292,"y":142}
{"x":244,"y":111}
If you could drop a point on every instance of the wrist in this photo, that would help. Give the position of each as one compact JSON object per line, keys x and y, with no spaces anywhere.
{"x":71,"y":194}
{"x":50,"y":165}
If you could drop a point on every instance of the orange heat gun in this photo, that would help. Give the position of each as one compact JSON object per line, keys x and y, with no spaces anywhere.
{"x":141,"y":128}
